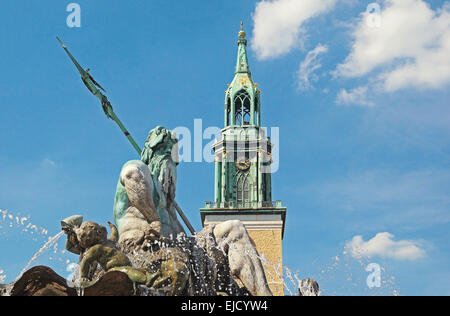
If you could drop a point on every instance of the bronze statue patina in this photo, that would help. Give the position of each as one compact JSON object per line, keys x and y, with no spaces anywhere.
{"x":89,"y":240}
{"x":145,"y":194}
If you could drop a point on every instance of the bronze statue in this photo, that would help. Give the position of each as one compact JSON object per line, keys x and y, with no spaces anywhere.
{"x":89,"y":240}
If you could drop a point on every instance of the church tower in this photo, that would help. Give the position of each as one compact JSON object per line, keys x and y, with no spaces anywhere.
{"x":243,"y":189}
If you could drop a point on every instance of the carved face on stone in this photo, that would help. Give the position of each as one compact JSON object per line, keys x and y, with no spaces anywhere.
{"x":90,"y":234}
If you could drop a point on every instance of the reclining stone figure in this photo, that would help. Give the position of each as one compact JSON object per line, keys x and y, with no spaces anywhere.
{"x":144,"y":211}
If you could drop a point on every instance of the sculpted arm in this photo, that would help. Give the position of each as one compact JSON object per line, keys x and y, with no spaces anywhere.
{"x":72,"y":243}
{"x":90,"y":257}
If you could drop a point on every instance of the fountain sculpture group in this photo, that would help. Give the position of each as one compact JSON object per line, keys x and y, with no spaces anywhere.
{"x":149,"y":248}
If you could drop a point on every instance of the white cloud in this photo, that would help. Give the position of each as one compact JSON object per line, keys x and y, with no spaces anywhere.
{"x":411,"y":48}
{"x":308,"y":66}
{"x":357,"y":96}
{"x":49,"y":162}
{"x":278,"y":24}
{"x":384,"y":245}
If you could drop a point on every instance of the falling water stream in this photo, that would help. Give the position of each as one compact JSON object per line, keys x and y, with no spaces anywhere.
{"x":49,"y":244}
{"x":342,"y":265}
{"x":12,"y":225}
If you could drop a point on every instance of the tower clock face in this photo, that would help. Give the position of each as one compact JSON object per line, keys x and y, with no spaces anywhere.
{"x":243,"y":164}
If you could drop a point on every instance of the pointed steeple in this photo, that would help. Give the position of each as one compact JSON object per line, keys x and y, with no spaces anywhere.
{"x":242,"y":98}
{"x":242,"y":60}
{"x":242,"y":168}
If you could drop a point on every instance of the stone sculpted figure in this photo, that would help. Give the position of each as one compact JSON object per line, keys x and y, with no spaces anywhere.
{"x":144,"y":210}
{"x":89,"y":240}
{"x":145,"y":194}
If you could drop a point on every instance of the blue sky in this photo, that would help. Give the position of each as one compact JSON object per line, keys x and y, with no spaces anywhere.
{"x":363,"y":113}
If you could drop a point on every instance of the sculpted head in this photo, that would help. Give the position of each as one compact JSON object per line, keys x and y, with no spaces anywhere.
{"x":160,"y":141}
{"x":90,"y":234}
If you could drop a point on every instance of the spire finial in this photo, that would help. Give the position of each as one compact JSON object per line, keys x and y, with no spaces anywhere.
{"x":242,"y":33}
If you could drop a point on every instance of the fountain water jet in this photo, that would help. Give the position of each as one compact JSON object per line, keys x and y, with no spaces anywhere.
{"x":50,"y":243}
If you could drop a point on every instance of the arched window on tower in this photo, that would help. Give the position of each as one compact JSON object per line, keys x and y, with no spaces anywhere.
{"x":243,"y":192}
{"x":228,"y":109}
{"x":256,"y":110}
{"x":242,"y":106}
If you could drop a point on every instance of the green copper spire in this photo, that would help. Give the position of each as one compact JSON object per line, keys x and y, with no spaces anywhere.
{"x":243,"y":158}
{"x":242,"y":98}
{"x":242,"y":60}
